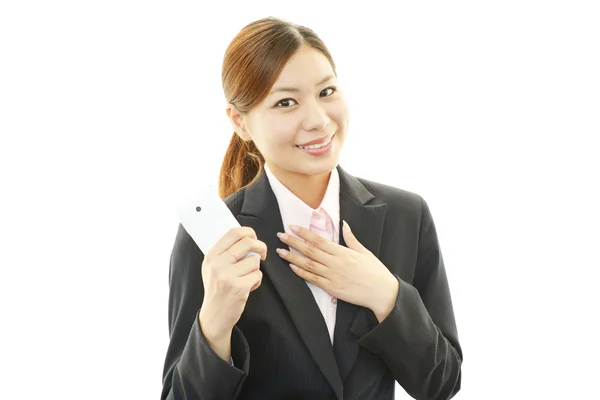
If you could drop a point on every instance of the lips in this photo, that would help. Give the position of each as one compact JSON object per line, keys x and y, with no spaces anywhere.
{"x":317,"y":141}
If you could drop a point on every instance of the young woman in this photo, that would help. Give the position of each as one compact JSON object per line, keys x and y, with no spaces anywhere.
{"x":349,"y":294}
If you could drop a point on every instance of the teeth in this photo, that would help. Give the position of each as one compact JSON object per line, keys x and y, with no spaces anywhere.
{"x":316,"y":146}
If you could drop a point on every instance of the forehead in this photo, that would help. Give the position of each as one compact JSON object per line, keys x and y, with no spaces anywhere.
{"x":306,"y":67}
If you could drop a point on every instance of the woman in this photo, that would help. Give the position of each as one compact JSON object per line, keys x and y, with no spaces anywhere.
{"x":354,"y":300}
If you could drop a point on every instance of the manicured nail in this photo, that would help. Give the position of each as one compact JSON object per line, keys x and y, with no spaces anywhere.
{"x":294,"y":228}
{"x":282,"y":236}
{"x":293,"y":267}
{"x":347,"y":227}
{"x":282,"y":252}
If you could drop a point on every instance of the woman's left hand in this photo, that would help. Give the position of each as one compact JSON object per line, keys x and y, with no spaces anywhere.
{"x":352,"y":273}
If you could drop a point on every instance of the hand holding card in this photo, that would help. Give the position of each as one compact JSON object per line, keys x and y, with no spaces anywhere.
{"x":229,"y":274}
{"x":206,"y":217}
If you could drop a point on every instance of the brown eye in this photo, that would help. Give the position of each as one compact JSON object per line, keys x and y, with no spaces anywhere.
{"x":332,"y":90}
{"x":285,"y":103}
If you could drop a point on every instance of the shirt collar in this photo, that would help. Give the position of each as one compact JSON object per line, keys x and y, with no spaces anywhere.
{"x":295,"y":212}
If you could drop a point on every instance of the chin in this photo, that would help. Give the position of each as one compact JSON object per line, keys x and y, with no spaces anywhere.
{"x":319,"y":168}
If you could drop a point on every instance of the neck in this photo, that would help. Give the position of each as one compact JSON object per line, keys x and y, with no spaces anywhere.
{"x":308,"y":188}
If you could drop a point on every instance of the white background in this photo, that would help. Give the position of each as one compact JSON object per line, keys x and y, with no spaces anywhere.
{"x":489,"y":110}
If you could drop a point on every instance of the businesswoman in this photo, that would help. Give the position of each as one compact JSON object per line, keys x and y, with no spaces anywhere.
{"x":349,"y":293}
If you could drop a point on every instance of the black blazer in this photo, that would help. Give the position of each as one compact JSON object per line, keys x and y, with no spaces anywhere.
{"x":281,"y":347}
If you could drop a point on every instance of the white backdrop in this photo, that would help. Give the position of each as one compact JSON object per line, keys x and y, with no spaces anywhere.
{"x":490,"y":111}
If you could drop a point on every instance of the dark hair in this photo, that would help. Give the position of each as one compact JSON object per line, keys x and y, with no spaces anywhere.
{"x":251,"y":65}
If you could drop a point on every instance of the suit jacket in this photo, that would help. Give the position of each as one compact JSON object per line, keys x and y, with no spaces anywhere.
{"x":281,"y":347}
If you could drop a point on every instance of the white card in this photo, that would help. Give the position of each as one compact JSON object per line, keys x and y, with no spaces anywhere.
{"x":206,"y":218}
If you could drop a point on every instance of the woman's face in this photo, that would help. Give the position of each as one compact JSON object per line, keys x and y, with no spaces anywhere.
{"x":303,"y":105}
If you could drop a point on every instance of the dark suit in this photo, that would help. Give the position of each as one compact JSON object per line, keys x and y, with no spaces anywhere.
{"x":281,"y":347}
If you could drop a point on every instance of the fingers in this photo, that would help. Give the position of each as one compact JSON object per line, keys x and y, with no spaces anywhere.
{"x":246,"y":245}
{"x":231,"y":250}
{"x":246,"y":274}
{"x":244,"y":267}
{"x":233,"y":236}
{"x":307,"y":248}
{"x":303,"y":262}
{"x":308,"y":238}
{"x":256,"y":286}
{"x":254,"y":279}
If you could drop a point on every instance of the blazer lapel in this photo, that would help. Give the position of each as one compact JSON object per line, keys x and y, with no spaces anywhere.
{"x":366,"y":222}
{"x":260,"y":211}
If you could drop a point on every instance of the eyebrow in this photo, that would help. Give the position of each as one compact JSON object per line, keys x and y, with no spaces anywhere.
{"x":291,"y":89}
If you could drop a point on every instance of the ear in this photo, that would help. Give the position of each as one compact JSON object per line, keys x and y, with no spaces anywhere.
{"x":237,"y":122}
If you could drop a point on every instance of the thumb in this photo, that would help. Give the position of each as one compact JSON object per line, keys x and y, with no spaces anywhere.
{"x":350,"y":239}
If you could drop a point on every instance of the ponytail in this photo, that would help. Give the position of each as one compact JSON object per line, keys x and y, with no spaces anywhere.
{"x":241,"y":166}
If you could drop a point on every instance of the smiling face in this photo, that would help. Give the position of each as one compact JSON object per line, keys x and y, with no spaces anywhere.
{"x":303,"y":105}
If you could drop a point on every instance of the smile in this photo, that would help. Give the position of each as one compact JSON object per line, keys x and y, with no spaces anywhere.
{"x":316,"y":146}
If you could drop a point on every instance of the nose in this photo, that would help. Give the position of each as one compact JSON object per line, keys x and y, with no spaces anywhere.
{"x":316,"y":117}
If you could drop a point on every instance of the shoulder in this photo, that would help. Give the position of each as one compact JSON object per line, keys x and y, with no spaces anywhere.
{"x":397,"y":199}
{"x":234,"y":201}
{"x":408,"y":208}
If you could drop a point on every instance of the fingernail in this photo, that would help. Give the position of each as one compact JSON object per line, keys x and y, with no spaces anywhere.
{"x":347,"y":227}
{"x":282,"y":252}
{"x":293,"y":267}
{"x":282,"y":236}
{"x":294,"y":228}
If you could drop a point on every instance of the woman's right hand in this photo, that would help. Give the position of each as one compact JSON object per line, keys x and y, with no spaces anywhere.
{"x":228,"y":282}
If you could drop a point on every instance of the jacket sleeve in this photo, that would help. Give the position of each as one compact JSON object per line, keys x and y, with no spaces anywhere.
{"x":418,"y":340}
{"x":192,"y":369}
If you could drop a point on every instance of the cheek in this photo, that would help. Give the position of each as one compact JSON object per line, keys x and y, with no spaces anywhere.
{"x":283,"y":131}
{"x":339,"y":113}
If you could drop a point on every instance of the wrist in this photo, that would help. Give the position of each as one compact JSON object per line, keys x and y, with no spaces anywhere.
{"x":213,"y":330}
{"x":219,"y":342}
{"x":386,"y":299}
